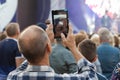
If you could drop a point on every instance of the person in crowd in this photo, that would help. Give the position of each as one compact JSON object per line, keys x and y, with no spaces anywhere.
{"x":96,"y":39}
{"x":2,"y":36}
{"x":108,"y":55}
{"x":116,"y":72}
{"x":80,"y":37}
{"x":60,"y":54}
{"x":9,"y":53}
{"x":64,"y":57}
{"x":83,"y":32}
{"x":106,"y":20}
{"x":119,"y":40}
{"x":36,"y":48}
{"x":87,"y":47}
{"x":116,"y":41}
{"x":88,"y":50}
{"x":49,"y":31}
{"x":111,"y":39}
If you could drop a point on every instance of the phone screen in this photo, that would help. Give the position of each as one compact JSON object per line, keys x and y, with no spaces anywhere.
{"x":60,"y":22}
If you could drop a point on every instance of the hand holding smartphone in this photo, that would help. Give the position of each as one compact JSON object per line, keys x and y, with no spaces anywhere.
{"x":60,"y":23}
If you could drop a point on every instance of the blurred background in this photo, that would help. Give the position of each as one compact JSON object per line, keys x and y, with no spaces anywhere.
{"x":83,"y":14}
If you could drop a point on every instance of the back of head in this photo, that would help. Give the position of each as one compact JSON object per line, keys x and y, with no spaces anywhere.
{"x":116,"y":41}
{"x":104,"y":34}
{"x":111,"y":39}
{"x":83,"y":32}
{"x":42,"y":25}
{"x":88,"y":49}
{"x":12,"y":29}
{"x":96,"y":39}
{"x":80,"y":37}
{"x":32,"y":43}
{"x":2,"y":36}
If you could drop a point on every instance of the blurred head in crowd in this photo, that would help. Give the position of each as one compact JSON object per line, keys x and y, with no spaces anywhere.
{"x":88,"y":49}
{"x":116,"y":41}
{"x":2,"y":36}
{"x":42,"y":25}
{"x":80,"y":37}
{"x":35,"y":47}
{"x":106,"y":12}
{"x":83,"y":32}
{"x":105,"y":35}
{"x":119,"y":39}
{"x":111,"y":39}
{"x":12,"y":30}
{"x":96,"y":39}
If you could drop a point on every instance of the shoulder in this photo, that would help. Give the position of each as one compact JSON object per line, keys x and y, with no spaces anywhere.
{"x":114,"y":49}
{"x":9,"y":41}
{"x":13,"y":75}
{"x":117,"y":49}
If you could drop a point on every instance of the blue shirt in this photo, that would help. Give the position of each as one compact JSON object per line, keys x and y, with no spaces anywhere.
{"x":108,"y":56}
{"x":85,"y":72}
{"x":8,"y":52}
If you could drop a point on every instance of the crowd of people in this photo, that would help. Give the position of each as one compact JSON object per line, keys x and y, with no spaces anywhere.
{"x":34,"y":54}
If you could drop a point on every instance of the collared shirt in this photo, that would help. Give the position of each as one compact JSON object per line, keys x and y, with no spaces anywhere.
{"x":12,"y":38}
{"x":116,"y":73}
{"x":85,"y":72}
{"x":8,"y":54}
{"x":16,"y":41}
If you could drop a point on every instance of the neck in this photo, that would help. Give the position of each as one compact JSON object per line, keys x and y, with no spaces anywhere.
{"x":43,"y":62}
{"x":15,"y":37}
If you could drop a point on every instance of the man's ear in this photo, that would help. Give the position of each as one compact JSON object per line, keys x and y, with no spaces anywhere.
{"x":49,"y":48}
{"x":18,"y":32}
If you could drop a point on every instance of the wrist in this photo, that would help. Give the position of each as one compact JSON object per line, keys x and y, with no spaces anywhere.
{"x":72,"y":48}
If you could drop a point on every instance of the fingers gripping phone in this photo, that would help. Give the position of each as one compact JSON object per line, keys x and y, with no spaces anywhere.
{"x":60,"y":23}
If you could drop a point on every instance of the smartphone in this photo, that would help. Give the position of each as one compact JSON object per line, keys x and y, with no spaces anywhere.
{"x":60,"y":23}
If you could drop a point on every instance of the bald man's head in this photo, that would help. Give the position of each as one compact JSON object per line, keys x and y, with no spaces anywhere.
{"x":32,"y":43}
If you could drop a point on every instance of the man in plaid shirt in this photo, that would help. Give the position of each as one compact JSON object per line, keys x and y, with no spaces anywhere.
{"x":36,"y":48}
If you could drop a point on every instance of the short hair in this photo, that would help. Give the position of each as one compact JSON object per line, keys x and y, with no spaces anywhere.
{"x":96,"y":39}
{"x":12,"y":29}
{"x":83,"y":32}
{"x":111,"y":39}
{"x":80,"y":37}
{"x":42,"y":25}
{"x":116,"y":41}
{"x":104,"y":34}
{"x":33,"y":45}
{"x":2,"y":36}
{"x":88,"y":49}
